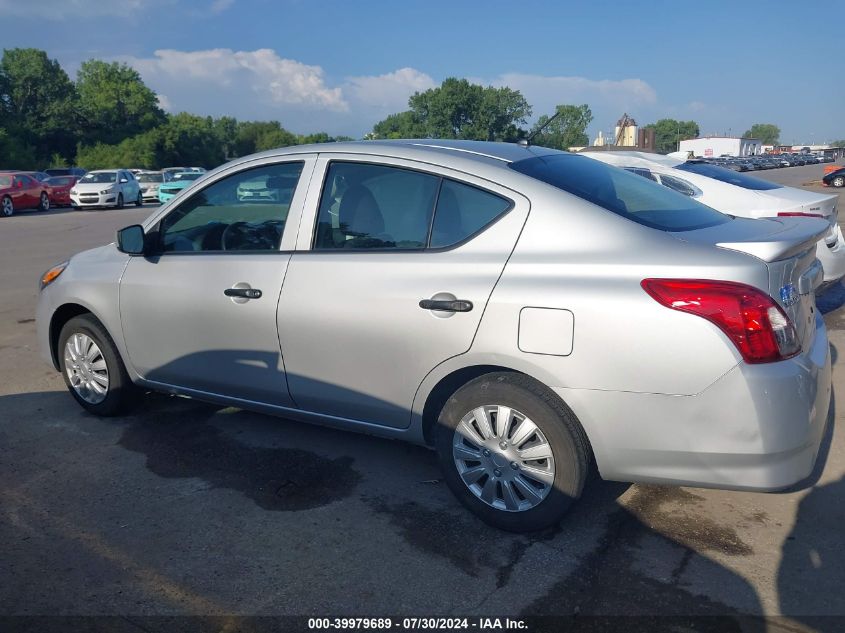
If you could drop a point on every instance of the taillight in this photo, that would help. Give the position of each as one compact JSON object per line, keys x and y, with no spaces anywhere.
{"x":750,"y":318}
{"x":797,"y":214}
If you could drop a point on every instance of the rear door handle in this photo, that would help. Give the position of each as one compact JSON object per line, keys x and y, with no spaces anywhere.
{"x":244,"y":293}
{"x":456,"y":305}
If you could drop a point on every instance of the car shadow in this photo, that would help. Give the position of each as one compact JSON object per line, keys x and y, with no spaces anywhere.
{"x":625,"y":558}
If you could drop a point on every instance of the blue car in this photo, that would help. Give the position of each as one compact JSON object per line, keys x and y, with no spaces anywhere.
{"x":178,"y":182}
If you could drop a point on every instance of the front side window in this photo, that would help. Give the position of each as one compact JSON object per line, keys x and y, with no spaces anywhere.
{"x":374,"y":207}
{"x":222,"y":218}
{"x":621,"y":192}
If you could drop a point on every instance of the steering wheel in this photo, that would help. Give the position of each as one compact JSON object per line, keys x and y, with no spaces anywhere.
{"x":233,"y":232}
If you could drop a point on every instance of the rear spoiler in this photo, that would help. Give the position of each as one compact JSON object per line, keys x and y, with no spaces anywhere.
{"x":796,"y":236}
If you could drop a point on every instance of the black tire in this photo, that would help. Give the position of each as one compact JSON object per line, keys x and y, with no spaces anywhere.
{"x":7,"y":207}
{"x":119,"y":204}
{"x":44,"y":203}
{"x":839,"y":181}
{"x":568,"y":443}
{"x":121,"y":394}
{"x":140,"y":201}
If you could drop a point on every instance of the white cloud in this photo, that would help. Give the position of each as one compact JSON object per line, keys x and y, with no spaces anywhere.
{"x":246,"y":75}
{"x":391,"y":90}
{"x":545,"y":92}
{"x":219,"y":6}
{"x":260,"y":84}
{"x":164,"y":102}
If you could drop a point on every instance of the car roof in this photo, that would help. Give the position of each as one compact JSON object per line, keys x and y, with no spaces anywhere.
{"x":488,"y":152}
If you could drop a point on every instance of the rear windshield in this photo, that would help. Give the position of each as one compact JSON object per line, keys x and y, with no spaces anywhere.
{"x":150,"y":177}
{"x":729,"y":176}
{"x":635,"y":198}
{"x":60,"y":180}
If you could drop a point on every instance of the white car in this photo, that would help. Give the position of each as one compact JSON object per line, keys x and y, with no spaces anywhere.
{"x":740,"y":195}
{"x":106,"y":188}
{"x":149,"y":182}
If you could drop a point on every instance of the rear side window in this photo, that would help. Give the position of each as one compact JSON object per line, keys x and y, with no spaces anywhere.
{"x":463,"y":211}
{"x":621,"y":192}
{"x":728,"y":175}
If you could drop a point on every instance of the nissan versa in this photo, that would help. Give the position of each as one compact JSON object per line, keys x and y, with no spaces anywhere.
{"x":526,"y":312}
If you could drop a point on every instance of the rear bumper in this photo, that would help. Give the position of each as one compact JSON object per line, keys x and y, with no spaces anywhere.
{"x":758,"y":427}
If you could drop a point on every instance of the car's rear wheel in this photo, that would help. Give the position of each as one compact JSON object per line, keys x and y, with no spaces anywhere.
{"x":7,"y":207}
{"x":92,"y":368}
{"x":140,"y":200}
{"x":119,"y":201}
{"x":44,"y":203}
{"x":512,"y":452}
{"x":839,"y":181}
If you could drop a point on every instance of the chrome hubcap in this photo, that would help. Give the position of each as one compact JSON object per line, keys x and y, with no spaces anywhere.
{"x":86,"y":368}
{"x":7,"y":207}
{"x":503,"y":458}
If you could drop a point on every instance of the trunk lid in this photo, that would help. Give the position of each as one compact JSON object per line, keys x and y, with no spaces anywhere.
{"x":788,"y":248}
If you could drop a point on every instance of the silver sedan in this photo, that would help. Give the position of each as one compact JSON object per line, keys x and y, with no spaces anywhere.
{"x":526,"y":312}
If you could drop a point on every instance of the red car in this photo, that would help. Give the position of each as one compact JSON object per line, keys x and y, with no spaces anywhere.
{"x":19,"y":191}
{"x":59,"y":189}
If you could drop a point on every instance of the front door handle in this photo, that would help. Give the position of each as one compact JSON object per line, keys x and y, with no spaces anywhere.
{"x":455,"y":305}
{"x":243,"y":293}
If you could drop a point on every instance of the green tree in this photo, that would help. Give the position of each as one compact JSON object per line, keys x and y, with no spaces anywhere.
{"x":15,"y":153}
{"x":767,"y":133}
{"x":38,"y":104}
{"x":569,"y":129}
{"x":838,"y":143}
{"x":669,"y":132}
{"x":114,"y":102}
{"x":459,"y":109}
{"x":400,"y":125}
{"x":254,"y":136}
{"x":189,"y":140}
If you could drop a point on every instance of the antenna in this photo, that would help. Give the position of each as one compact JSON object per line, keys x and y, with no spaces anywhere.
{"x":526,"y":141}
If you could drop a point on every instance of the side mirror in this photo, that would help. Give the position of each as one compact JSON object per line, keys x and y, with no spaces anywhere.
{"x":123,"y":180}
{"x":19,"y":184}
{"x":131,"y":240}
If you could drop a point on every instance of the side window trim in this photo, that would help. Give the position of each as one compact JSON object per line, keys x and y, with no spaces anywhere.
{"x":307,"y":161}
{"x":311,"y":245}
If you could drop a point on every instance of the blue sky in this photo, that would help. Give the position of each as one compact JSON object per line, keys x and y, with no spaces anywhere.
{"x":341,"y":66}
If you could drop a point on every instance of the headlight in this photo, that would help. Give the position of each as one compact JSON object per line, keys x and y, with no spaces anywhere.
{"x":73,"y":191}
{"x":109,"y":190}
{"x":51,"y":275}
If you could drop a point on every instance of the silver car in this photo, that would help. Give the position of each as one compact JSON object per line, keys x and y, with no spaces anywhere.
{"x":526,"y":312}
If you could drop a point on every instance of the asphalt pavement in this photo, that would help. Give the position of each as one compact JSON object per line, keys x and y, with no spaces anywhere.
{"x":185,"y":508}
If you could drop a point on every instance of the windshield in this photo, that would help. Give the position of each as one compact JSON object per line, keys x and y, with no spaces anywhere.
{"x":621,"y":192}
{"x":100,"y":177}
{"x":186,"y":176}
{"x":5,"y":181}
{"x":150,"y":178}
{"x":729,"y":176}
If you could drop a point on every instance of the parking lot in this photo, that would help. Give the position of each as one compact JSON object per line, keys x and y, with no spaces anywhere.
{"x":185,"y":508}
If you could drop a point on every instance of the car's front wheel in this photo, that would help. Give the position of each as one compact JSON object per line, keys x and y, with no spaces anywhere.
{"x":139,"y":201}
{"x":44,"y":203}
{"x":92,"y":368}
{"x":512,"y":452}
{"x":119,"y":204}
{"x":839,"y":181}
